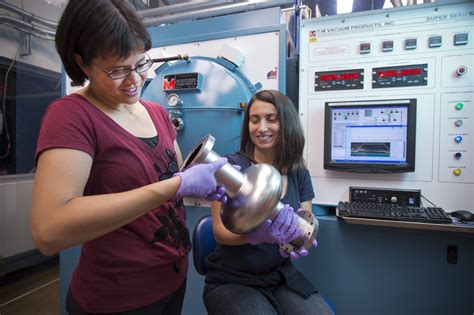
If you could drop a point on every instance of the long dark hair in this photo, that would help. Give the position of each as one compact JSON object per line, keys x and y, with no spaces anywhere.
{"x":93,"y":28}
{"x":290,"y":142}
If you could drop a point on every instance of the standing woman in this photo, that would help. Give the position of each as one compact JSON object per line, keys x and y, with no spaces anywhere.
{"x":106,"y":171}
{"x":249,"y":274}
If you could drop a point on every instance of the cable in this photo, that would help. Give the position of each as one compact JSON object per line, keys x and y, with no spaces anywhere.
{"x":428,"y":201}
{"x":4,"y":101}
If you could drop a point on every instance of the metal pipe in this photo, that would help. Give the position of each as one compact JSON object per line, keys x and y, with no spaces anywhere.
{"x":201,"y":108}
{"x":180,"y":7}
{"x":25,"y":27}
{"x":216,"y":11}
{"x":28,"y":16}
{"x":177,"y":57}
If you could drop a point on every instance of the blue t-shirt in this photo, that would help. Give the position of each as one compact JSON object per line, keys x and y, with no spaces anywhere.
{"x":262,"y":258}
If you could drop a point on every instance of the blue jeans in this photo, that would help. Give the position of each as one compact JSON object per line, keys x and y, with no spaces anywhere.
{"x":237,"y":299}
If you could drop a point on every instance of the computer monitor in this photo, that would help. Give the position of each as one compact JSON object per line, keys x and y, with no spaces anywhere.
{"x":372,"y":136}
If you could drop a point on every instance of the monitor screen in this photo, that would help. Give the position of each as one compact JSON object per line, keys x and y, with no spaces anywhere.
{"x":370,"y":136}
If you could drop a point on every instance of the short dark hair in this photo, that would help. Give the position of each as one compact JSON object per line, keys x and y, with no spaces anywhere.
{"x":291,"y":137}
{"x":98,"y":28}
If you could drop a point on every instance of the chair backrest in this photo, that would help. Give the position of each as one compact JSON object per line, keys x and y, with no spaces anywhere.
{"x":203,"y":243}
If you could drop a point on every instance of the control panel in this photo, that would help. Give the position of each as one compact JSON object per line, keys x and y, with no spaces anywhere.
{"x":423,"y":52}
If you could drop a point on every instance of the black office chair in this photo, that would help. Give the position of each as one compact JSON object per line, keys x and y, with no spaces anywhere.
{"x":204,"y":243}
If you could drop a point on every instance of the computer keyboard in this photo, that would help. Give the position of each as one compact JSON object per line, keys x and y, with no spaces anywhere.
{"x":393,"y":212}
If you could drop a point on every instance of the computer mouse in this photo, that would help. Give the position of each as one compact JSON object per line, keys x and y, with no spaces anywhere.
{"x":463,"y":215}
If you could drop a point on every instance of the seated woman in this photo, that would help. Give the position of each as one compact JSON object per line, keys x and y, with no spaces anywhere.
{"x":249,"y":274}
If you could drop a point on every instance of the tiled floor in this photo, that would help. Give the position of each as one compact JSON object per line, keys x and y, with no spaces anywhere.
{"x":32,"y":291}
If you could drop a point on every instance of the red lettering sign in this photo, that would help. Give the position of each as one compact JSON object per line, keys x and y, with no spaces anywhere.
{"x":169,"y":85}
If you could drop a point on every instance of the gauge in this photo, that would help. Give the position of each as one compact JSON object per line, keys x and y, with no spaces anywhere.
{"x":400,"y":76}
{"x":351,"y":79}
{"x":173,"y":99}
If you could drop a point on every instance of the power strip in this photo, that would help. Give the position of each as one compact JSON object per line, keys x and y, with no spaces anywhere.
{"x":401,"y":197}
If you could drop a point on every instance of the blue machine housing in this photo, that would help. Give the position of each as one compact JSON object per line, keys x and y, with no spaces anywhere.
{"x":208,"y":96}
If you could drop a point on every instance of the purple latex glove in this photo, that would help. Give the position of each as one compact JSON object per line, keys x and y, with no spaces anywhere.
{"x":297,"y":253}
{"x":198,"y":180}
{"x":260,"y":234}
{"x":282,"y":230}
{"x":218,"y":195}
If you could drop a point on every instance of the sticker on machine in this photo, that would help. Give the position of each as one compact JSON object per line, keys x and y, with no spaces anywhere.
{"x":272,"y":74}
{"x":335,"y":50}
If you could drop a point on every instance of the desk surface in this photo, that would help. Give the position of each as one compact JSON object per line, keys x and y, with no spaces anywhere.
{"x":454,"y":227}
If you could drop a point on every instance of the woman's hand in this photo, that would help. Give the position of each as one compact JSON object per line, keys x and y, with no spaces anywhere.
{"x":297,"y":253}
{"x":282,"y":230}
{"x":198,"y":180}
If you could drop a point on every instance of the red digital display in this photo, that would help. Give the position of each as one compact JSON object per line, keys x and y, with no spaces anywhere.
{"x":398,"y":73}
{"x":339,"y":76}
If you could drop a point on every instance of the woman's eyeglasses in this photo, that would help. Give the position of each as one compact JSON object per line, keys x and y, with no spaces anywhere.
{"x":121,"y":73}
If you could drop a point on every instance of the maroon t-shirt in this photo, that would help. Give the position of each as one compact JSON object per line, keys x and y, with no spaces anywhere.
{"x":145,"y":260}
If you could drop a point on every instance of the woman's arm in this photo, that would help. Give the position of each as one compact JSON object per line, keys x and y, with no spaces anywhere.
{"x":179,"y":156}
{"x":307,"y":205}
{"x":222,"y":235}
{"x":62,"y":217}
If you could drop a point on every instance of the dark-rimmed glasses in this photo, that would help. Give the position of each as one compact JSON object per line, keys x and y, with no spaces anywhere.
{"x":121,"y":73}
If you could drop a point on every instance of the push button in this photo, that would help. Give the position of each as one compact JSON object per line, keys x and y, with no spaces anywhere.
{"x":461,"y":70}
{"x":458,"y":123}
